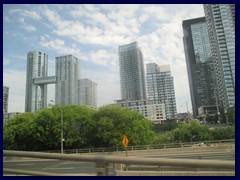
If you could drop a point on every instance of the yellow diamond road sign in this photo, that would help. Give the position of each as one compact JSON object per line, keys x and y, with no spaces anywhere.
{"x":125,"y":141}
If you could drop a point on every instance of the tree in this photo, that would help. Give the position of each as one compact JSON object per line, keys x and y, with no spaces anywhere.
{"x":19,"y":131}
{"x":231,"y":115}
{"x":223,"y":133}
{"x":42,"y":130}
{"x":82,"y":128}
{"x":112,"y":122}
{"x":191,"y":132}
{"x":161,"y":128}
{"x":77,"y":125}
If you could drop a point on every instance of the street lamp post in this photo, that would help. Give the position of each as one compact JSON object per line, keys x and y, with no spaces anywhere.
{"x":61,"y":128}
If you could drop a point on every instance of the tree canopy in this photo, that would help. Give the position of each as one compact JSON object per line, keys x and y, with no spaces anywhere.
{"x":83,"y":127}
{"x":113,"y":121}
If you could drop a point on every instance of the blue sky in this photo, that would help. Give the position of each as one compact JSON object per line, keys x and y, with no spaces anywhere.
{"x":93,"y":33}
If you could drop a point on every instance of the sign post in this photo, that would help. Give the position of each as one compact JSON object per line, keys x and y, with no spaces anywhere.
{"x":125,"y":143}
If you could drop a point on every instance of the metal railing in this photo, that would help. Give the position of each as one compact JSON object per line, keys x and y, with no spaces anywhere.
{"x":146,"y":147}
{"x":103,"y":160}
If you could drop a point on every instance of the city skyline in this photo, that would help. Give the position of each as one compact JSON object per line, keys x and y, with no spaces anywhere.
{"x":93,"y":34}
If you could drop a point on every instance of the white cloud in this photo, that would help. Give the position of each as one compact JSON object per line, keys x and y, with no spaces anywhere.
{"x":58,"y":46}
{"x":114,"y":31}
{"x":21,"y":20}
{"x":157,"y":12}
{"x":101,"y":56}
{"x":30,"y":14}
{"x":143,"y":18}
{"x":28,"y":27}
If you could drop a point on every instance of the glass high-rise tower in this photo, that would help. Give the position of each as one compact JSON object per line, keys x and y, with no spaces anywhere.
{"x":220,"y":20}
{"x":5,"y":101}
{"x":67,"y":72}
{"x":160,"y":88}
{"x":132,"y":75}
{"x":37,"y":67}
{"x":87,"y":93}
{"x":201,"y":73}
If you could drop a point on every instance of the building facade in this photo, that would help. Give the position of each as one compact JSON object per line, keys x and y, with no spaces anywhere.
{"x":87,"y":93}
{"x":37,"y":67}
{"x":160,"y":88}
{"x":132,"y":76}
{"x":220,"y":20}
{"x":200,"y":67}
{"x":67,"y":72}
{"x":5,"y":101}
{"x":12,"y":115}
{"x":154,"y":112}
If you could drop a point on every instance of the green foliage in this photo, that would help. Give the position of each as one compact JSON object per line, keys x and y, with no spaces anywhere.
{"x":19,"y":131}
{"x":223,"y":133}
{"x":86,"y":128}
{"x":161,"y":128}
{"x":191,"y":132}
{"x":231,"y":115}
{"x":112,"y":122}
{"x":82,"y":128}
{"x":78,"y":126}
{"x":164,"y":138}
{"x":194,"y":132}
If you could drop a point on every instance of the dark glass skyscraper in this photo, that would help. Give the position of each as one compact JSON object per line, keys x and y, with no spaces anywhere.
{"x":201,"y":73}
{"x":132,"y":75}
